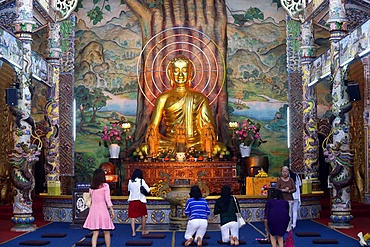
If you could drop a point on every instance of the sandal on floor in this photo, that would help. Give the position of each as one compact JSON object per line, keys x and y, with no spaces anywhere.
{"x":189,"y":241}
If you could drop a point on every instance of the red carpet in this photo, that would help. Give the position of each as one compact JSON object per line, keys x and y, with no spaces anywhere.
{"x":360,"y":222}
{"x":7,"y":235}
{"x":6,"y":213}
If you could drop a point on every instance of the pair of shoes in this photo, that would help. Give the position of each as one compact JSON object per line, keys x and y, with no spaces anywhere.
{"x":232,"y":242}
{"x":199,"y":241}
{"x":362,"y":240}
{"x":189,"y":241}
{"x":236,"y":241}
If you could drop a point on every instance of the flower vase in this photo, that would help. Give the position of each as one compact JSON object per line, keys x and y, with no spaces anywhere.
{"x":114,"y":150}
{"x":245,"y":151}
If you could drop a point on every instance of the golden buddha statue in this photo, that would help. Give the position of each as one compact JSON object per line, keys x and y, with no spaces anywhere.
{"x":185,"y":112}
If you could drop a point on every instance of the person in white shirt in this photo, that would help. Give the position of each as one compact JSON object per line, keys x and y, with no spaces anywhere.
{"x":296,"y":196}
{"x":137,"y":201}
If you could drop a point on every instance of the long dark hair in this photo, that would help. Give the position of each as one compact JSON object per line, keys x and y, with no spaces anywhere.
{"x":137,"y":174}
{"x":277,"y":194}
{"x":98,"y":179}
{"x":195,"y":192}
{"x":292,"y":175}
{"x":225,"y":198}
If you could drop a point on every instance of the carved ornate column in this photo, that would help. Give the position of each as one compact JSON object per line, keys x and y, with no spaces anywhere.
{"x":52,"y":105}
{"x":66,"y":83}
{"x":67,"y":32}
{"x":310,"y":128}
{"x":294,"y":94}
{"x":338,"y":153}
{"x":366,"y":64}
{"x":25,"y":154}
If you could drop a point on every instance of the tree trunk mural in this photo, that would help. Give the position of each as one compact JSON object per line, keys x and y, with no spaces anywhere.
{"x":196,"y":29}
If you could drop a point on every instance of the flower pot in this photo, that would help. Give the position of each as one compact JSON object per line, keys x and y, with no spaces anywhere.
{"x":114,"y":150}
{"x":245,"y":151}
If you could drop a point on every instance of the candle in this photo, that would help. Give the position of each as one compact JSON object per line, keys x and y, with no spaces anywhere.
{"x":126,"y":126}
{"x":233,"y":125}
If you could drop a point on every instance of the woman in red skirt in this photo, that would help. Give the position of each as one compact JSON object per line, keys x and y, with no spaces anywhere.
{"x":137,"y":201}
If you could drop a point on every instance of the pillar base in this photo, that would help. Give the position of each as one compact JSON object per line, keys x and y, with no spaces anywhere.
{"x":341,"y":220}
{"x":23,"y":223}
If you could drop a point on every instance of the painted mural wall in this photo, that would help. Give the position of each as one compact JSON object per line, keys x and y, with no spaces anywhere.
{"x":108,"y":43}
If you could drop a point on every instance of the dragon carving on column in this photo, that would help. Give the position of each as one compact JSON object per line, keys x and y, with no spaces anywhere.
{"x":341,"y":176}
{"x":22,"y":160}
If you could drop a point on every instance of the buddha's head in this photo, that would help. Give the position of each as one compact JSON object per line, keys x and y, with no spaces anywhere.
{"x":180,"y":71}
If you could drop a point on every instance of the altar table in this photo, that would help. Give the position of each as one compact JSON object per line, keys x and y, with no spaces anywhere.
{"x":218,"y":173}
{"x":254,"y":184}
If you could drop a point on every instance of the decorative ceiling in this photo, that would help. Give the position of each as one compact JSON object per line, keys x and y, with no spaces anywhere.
{"x":358,"y":11}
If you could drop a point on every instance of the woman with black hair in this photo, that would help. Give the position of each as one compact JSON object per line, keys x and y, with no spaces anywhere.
{"x":197,"y":209}
{"x":137,"y":201}
{"x":276,"y":217}
{"x":296,"y":197}
{"x":99,"y":218}
{"x":227,"y":206}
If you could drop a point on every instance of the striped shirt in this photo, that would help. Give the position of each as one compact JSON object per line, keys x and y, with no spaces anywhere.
{"x":197,"y":209}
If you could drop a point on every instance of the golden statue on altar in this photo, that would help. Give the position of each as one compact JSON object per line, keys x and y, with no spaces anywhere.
{"x":185,"y":112}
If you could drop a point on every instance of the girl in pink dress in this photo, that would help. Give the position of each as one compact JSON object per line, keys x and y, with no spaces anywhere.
{"x":99,"y":218}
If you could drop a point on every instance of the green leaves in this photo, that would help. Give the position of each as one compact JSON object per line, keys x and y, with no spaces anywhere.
{"x":251,"y":14}
{"x":95,"y":15}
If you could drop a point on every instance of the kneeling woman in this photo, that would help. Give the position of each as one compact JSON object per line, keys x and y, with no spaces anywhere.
{"x":197,"y":208}
{"x":227,"y":206}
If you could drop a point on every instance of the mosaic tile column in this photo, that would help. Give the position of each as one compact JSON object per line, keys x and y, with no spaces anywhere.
{"x":52,"y":111}
{"x":310,"y":128}
{"x":25,"y":154}
{"x":338,"y":153}
{"x":366,"y":64}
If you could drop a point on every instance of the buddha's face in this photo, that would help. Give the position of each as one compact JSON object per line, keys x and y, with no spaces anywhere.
{"x":180,"y":71}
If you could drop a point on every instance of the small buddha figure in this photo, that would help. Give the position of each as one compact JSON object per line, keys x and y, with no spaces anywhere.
{"x":208,"y":139}
{"x":180,"y":138}
{"x":184,"y":111}
{"x":152,"y":139}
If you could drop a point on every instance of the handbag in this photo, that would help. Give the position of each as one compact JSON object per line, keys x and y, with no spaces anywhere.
{"x":239,"y":217}
{"x":142,"y":189}
{"x":87,"y":199}
{"x":289,"y":241}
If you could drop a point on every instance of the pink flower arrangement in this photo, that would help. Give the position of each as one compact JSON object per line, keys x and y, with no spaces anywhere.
{"x":247,"y":132}
{"x":112,"y":135}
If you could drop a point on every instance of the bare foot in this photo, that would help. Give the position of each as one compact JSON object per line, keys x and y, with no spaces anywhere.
{"x":231,"y":240}
{"x":145,"y":232}
{"x":236,"y":241}
{"x":189,"y":241}
{"x":199,"y":241}
{"x":134,"y":234}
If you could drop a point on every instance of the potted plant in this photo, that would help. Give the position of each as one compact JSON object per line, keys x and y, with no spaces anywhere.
{"x":112,"y":139}
{"x":247,"y":133}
